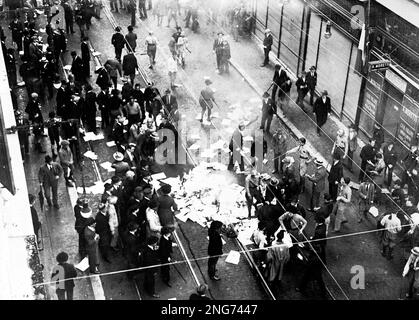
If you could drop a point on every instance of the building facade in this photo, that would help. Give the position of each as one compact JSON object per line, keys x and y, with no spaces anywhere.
{"x":326,"y":33}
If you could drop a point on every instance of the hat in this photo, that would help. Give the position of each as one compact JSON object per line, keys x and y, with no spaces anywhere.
{"x":123,"y":79}
{"x":130,"y":174}
{"x":131,"y":144}
{"x":62,"y":257}
{"x":318,"y":161}
{"x":34,"y":95}
{"x":48,"y":158}
{"x":117,"y":29}
{"x":340,"y":132}
{"x":101,"y":206}
{"x":415,"y":251}
{"x":167,"y":229}
{"x":274,"y":182}
{"x":265,"y":94}
{"x":118,"y":156}
{"x":86,"y":211}
{"x":132,"y":226}
{"x":325,"y":93}
{"x":43,"y":59}
{"x":267,"y":30}
{"x":241,"y":124}
{"x":312,"y":68}
{"x":220,"y":32}
{"x":152,"y":240}
{"x":167,"y":90}
{"x":154,"y":136}
{"x":207,"y":80}
{"x":202,"y":288}
{"x":65,"y":143}
{"x":57,"y":85}
{"x":166,"y":189}
{"x":147,"y":191}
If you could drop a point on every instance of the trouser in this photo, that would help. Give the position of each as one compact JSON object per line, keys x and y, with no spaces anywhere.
{"x":86,"y":68}
{"x":411,"y":282}
{"x":132,"y":78}
{"x":208,"y":114}
{"x":350,"y":159}
{"x":133,"y":17}
{"x":224,"y":66}
{"x":284,"y":101}
{"x":218,"y":58}
{"x":24,"y":145}
{"x":362,"y":170}
{"x":388,"y":175}
{"x":274,"y":90}
{"x":151,"y":52}
{"x":231,"y":163}
{"x":266,"y":120}
{"x":104,"y":250}
{"x":150,"y":282}
{"x":11,"y":75}
{"x":278,"y":157}
{"x":61,"y":293}
{"x":300,"y":99}
{"x":54,"y":188}
{"x":165,"y":273}
{"x":69,"y":26}
{"x":340,"y":216}
{"x":18,"y":42}
{"x":313,"y":274}
{"x":249,"y":200}
{"x":133,"y":118}
{"x":114,"y":5}
{"x":115,"y":237}
{"x":142,"y":9}
{"x":315,"y":198}
{"x":105,"y":117}
{"x":68,"y":172}
{"x":318,"y":128}
{"x":188,"y":18}
{"x":212,"y":263}
{"x":266,"y":60}
{"x":114,"y":81}
{"x":118,"y":53}
{"x":311,"y":95}
{"x":302,"y":184}
{"x":333,"y":190}
{"x":82,"y":245}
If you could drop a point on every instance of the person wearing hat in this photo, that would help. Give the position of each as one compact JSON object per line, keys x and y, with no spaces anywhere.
{"x":114,"y":67}
{"x":253,"y":193}
{"x":68,"y":17}
{"x":217,"y":48}
{"x":206,"y":99}
{"x":273,"y":192}
{"x":200,"y":293}
{"x":33,"y":109}
{"x":167,"y":206}
{"x":23,"y":133}
{"x":182,"y":45}
{"x":302,"y":89}
{"x":312,"y":82}
{"x":411,"y":270}
{"x":165,"y":253}
{"x":77,"y":68}
{"x":67,"y":163}
{"x":279,"y":146}
{"x":118,"y":41}
{"x":120,"y":166}
{"x":60,"y":274}
{"x":169,"y":101}
{"x":10,"y":62}
{"x":267,"y":45}
{"x":151,"y":43}
{"x":92,"y":248}
{"x":16,"y":26}
{"x":235,"y":146}
{"x":114,"y":221}
{"x":48,"y":176}
{"x":392,"y":225}
{"x":120,"y":132}
{"x":390,"y":159}
{"x":343,"y":203}
{"x":268,"y":111}
{"x":89,"y":110}
{"x":225,"y":57}
{"x":321,"y":109}
{"x":341,"y":144}
{"x":215,"y":248}
{"x":104,"y":231}
{"x":366,"y":197}
{"x":151,"y":258}
{"x":85,"y":56}
{"x":319,"y":183}
{"x":335,"y":175}
{"x":129,"y":66}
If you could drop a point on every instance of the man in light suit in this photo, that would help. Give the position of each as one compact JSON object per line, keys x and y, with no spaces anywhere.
{"x":319,"y":184}
{"x":48,"y":177}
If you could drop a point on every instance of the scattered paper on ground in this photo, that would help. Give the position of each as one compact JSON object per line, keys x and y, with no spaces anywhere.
{"x":91,"y":155}
{"x":107,"y":166}
{"x":83,"y":265}
{"x":111,"y":144}
{"x":233,"y":257}
{"x":158,"y":176}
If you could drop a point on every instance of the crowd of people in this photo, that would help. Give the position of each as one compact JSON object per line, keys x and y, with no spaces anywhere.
{"x":136,"y":218}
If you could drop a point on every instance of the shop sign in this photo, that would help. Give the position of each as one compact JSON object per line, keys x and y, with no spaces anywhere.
{"x":405,"y":134}
{"x":371,"y":102}
{"x":410,"y":112}
{"x":396,"y":80}
{"x":375,"y":83}
{"x":379,"y":65}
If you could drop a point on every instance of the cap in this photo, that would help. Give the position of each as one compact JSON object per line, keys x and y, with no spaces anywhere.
{"x":265,"y":95}
{"x":318,"y":161}
{"x":325,"y":93}
{"x":207,"y":80}
{"x":267,"y":30}
{"x":312,"y":68}
{"x":130,"y":174}
{"x":65,"y":143}
{"x":34,"y":95}
{"x":152,"y":240}
{"x":167,"y":90}
{"x":166,"y":189}
{"x":415,"y":251}
{"x":118,"y":156}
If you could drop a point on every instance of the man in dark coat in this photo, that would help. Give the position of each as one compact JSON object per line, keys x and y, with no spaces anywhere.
{"x":368,"y":153}
{"x":89,"y":112}
{"x":215,"y":248}
{"x":268,"y":111}
{"x":267,"y":45}
{"x":302,"y":89}
{"x":77,"y":68}
{"x":68,"y":17}
{"x":118,"y":41}
{"x":16,"y":27}
{"x":85,"y":57}
{"x":48,"y":176}
{"x":103,"y":104}
{"x":280,"y":76}
{"x":169,"y":100}
{"x":313,"y":272}
{"x":103,"y":80}
{"x":165,"y":252}
{"x":23,"y":134}
{"x":312,"y":82}
{"x":104,"y":232}
{"x":129,"y":66}
{"x":61,"y":272}
{"x":218,"y":49}
{"x":33,"y":109}
{"x":34,"y":214}
{"x":378,"y":136}
{"x":322,"y":109}
{"x":335,"y":175}
{"x":151,"y":258}
{"x":132,"y":245}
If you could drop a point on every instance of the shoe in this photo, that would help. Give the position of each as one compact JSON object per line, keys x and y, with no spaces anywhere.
{"x":215,"y":278}
{"x":56,"y":206}
{"x":155,"y":295}
{"x":359,"y":220}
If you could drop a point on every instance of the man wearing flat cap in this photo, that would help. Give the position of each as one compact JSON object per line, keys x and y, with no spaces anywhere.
{"x":218,"y":49}
{"x":267,"y":45}
{"x":60,"y":274}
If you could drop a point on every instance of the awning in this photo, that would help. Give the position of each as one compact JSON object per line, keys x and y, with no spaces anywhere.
{"x":406,"y":9}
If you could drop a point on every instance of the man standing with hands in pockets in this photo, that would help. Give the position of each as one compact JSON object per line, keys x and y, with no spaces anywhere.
{"x":48,"y":177}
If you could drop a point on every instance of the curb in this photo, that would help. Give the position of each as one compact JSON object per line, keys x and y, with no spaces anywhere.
{"x":95,"y":280}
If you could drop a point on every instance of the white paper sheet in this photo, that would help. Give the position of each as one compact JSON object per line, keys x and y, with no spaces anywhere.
{"x":248,"y":138}
{"x":91,"y":155}
{"x":158,"y":176}
{"x":98,"y":118}
{"x":226,"y":122}
{"x":107,"y":166}
{"x":83,"y":265}
{"x":111,"y":144}
{"x":182,"y":217}
{"x":233,"y":257}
